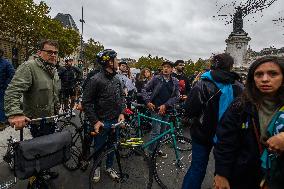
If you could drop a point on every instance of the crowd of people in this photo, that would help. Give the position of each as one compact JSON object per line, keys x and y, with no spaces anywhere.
{"x":243,"y":123}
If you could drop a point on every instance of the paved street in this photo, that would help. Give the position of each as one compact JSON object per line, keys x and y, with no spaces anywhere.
{"x":79,"y":179}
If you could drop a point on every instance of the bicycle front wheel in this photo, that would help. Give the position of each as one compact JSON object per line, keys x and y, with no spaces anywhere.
{"x":136,"y":171}
{"x":170,"y":171}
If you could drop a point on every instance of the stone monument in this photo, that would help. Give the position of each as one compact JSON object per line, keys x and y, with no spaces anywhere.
{"x":237,"y":42}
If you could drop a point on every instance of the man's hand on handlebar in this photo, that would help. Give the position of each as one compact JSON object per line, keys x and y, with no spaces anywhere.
{"x":97,"y":126}
{"x":18,"y":121}
{"x":183,"y":97}
{"x":162,"y":110}
{"x":151,"y":106}
{"x":120,"y":119}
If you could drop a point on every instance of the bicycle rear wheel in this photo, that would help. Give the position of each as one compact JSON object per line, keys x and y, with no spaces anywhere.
{"x":136,"y":171}
{"x":76,"y":146}
{"x":169,"y":172}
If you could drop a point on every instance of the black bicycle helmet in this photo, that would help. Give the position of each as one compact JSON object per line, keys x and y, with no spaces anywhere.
{"x":104,"y":56}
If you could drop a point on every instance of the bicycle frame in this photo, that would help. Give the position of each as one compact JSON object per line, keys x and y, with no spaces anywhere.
{"x":156,"y":139}
{"x":110,"y":141}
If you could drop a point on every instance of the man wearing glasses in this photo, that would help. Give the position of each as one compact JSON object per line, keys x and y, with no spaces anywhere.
{"x":38,"y":82}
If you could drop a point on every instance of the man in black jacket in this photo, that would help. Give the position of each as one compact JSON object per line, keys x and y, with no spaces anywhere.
{"x":69,"y":76}
{"x":207,"y":101}
{"x":104,"y":103}
{"x":184,"y":85}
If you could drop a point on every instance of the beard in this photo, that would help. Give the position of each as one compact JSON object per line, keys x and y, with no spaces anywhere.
{"x":180,"y":69}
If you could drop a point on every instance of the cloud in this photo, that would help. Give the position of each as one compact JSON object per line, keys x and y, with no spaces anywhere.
{"x":176,"y":29}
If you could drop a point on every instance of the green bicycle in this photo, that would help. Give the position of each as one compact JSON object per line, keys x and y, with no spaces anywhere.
{"x":178,"y":149}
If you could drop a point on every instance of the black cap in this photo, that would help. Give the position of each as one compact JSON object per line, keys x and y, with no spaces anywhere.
{"x":122,"y":62}
{"x":168,"y":63}
{"x":179,"y":62}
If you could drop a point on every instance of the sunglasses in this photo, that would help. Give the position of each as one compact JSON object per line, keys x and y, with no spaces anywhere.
{"x":50,"y":52}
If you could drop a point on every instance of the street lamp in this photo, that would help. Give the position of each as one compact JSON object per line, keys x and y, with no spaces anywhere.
{"x":81,"y":45}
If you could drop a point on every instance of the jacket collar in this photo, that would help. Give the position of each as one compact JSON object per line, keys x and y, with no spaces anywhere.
{"x":40,"y":64}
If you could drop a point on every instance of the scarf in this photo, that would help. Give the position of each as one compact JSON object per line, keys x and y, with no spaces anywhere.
{"x":48,"y":67}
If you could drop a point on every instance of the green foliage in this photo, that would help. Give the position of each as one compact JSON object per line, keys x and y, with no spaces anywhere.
{"x":27,"y":23}
{"x":150,"y":62}
{"x":91,"y":48}
{"x":155,"y":62}
{"x":189,"y":68}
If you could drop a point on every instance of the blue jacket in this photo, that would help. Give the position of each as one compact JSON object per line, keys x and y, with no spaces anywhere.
{"x":7,"y":72}
{"x":155,"y":85}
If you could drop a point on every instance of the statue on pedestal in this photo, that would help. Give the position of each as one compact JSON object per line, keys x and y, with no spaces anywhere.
{"x":238,"y":21}
{"x":242,"y":9}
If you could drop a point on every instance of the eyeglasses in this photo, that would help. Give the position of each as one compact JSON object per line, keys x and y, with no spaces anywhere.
{"x":50,"y":52}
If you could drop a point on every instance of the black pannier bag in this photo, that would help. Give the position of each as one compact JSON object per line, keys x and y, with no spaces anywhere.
{"x":41,"y":153}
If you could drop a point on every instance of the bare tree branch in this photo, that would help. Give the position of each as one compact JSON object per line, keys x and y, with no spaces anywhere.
{"x":248,"y":8}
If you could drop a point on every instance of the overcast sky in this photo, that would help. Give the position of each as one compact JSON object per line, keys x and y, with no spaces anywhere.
{"x":174,"y":29}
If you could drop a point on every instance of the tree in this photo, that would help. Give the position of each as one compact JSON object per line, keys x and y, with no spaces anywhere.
{"x":149,"y":62}
{"x":247,"y":7}
{"x":27,"y":23}
{"x":199,"y":65}
{"x":279,"y":21}
{"x":189,"y":68}
{"x":91,"y":49}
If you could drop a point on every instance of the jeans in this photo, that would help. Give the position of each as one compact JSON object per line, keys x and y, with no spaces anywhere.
{"x":157,"y":128}
{"x":102,"y":138}
{"x":2,"y":112}
{"x":196,"y":173}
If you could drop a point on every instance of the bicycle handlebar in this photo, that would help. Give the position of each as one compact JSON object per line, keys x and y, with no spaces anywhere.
{"x":40,"y":119}
{"x":137,"y":105}
{"x":49,"y":118}
{"x":113,"y":126}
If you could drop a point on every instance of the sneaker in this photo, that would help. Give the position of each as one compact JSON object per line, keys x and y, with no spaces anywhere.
{"x":112,"y":173}
{"x":97,"y":174}
{"x":162,"y":154}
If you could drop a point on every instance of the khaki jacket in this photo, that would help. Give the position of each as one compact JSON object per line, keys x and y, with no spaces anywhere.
{"x":39,"y":90}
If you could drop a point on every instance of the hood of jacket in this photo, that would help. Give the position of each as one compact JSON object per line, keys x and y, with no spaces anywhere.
{"x":224,"y":76}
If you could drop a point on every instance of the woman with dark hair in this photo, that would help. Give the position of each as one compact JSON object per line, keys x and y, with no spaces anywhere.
{"x":249,"y":152}
{"x":144,"y":77}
